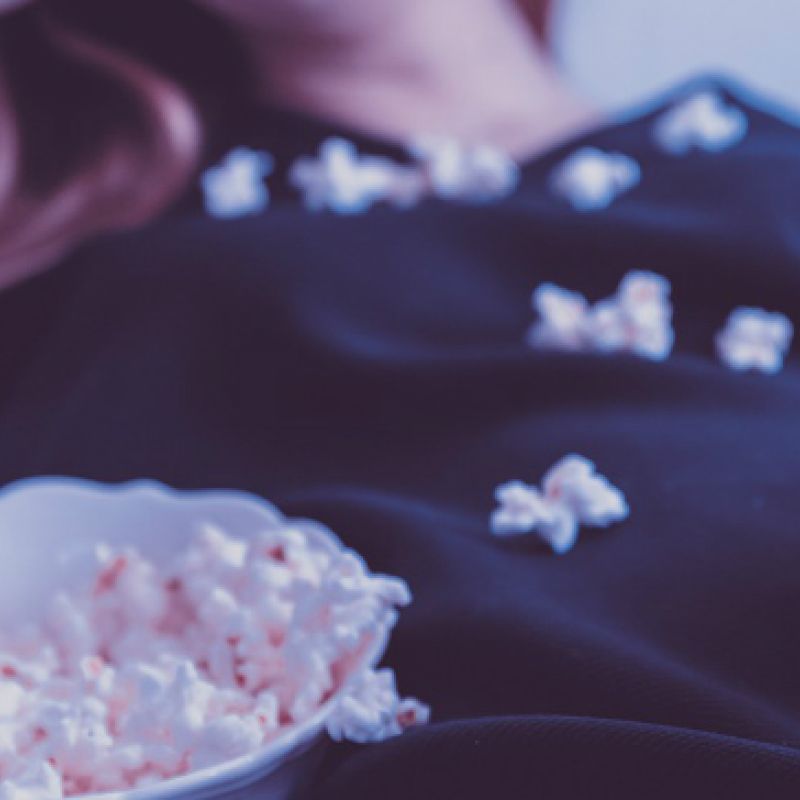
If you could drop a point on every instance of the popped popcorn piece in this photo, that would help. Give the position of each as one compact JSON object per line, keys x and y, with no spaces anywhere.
{"x":171,"y":704}
{"x":11,"y":694}
{"x":97,"y":675}
{"x":72,"y":736}
{"x":637,"y":320}
{"x":38,"y":782}
{"x":237,"y":186}
{"x":341,"y":180}
{"x":575,"y":484}
{"x":26,"y":659}
{"x":591,"y":179}
{"x":370,"y":710}
{"x":755,"y":339}
{"x":70,"y":629}
{"x":266,"y":712}
{"x":149,"y":671}
{"x":703,"y":122}
{"x":572,"y":494}
{"x":478,"y":173}
{"x":307,"y":680}
{"x":522,"y":509}
{"x":214,"y":554}
{"x":226,"y":738}
{"x":563,"y":319}
{"x":128,"y":587}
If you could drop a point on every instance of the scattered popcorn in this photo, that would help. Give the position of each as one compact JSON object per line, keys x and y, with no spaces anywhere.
{"x":703,"y":122}
{"x":370,"y":710}
{"x":150,"y":671}
{"x":591,"y":179}
{"x":479,"y":173}
{"x":563,"y":319}
{"x":341,"y":180}
{"x":522,"y":508}
{"x":574,"y":483}
{"x":572,"y":494}
{"x":754,"y":339}
{"x":237,"y":187}
{"x":638,"y":319}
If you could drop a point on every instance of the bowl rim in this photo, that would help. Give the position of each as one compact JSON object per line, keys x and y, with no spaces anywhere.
{"x":292,"y":744}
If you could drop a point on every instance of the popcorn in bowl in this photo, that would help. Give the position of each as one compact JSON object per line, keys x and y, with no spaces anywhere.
{"x":151,"y":669}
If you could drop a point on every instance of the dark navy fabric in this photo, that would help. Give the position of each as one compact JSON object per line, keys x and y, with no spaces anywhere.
{"x":371,"y":372}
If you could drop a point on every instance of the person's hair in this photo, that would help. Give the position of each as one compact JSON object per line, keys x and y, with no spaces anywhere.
{"x":106,"y":111}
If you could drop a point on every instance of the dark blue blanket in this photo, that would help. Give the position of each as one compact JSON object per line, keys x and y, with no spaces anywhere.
{"x":371,"y":372}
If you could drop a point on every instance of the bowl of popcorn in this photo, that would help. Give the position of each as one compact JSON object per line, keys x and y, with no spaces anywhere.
{"x":163,"y":644}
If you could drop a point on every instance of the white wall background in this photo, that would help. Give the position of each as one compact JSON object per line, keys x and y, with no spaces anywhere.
{"x":619,"y":51}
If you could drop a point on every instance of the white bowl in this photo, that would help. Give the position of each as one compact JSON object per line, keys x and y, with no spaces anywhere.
{"x":46,"y":523}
